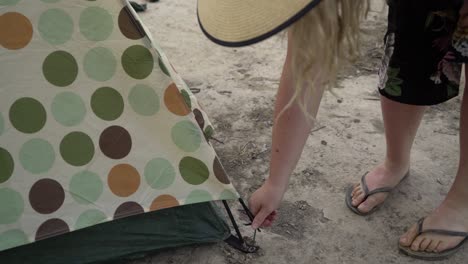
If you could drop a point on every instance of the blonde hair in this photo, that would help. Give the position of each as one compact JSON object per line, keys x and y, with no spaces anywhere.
{"x":323,"y":40}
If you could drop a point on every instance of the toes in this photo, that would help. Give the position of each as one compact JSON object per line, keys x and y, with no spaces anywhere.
{"x":427,"y":242}
{"x":365,"y":206}
{"x":424,"y":244}
{"x":447,"y":243}
{"x":441,"y":246}
{"x":416,"y":245}
{"x":357,"y":188}
{"x":433,"y":246}
{"x":358,"y":193}
{"x":407,"y":239}
{"x":358,"y":199}
{"x":370,"y":203}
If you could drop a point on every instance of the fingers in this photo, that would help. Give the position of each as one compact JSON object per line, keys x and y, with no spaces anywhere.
{"x":254,"y":206}
{"x":260,"y":217}
{"x":272,"y":216}
{"x":266,"y":223}
{"x":270,"y":219}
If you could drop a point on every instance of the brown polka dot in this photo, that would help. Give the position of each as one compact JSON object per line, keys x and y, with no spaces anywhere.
{"x":128,"y":209}
{"x":129,"y":26}
{"x":46,"y":196}
{"x":164,"y":201}
{"x":50,"y":228}
{"x":219,"y":172}
{"x":175,"y":101}
{"x":16,"y":31}
{"x":115,"y":142}
{"x":123,"y":180}
{"x":199,"y":117}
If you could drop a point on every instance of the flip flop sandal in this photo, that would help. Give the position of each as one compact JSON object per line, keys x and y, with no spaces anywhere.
{"x":368,"y":193}
{"x":434,"y":255}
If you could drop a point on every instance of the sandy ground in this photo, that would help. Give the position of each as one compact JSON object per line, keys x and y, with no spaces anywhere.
{"x":237,"y":90}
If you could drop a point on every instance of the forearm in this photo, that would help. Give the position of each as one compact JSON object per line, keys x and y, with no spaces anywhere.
{"x":291,"y":128}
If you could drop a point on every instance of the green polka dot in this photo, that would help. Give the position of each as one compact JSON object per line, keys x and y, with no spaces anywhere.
{"x":60,"y":68}
{"x":68,"y":109}
{"x":163,"y":67}
{"x":55,"y":26}
{"x":198,"y":196}
{"x":7,"y":165}
{"x":107,"y":103}
{"x":228,"y":195}
{"x":12,"y":238}
{"x":159,"y":174}
{"x":193,"y":170}
{"x":186,"y":97}
{"x":86,"y":187}
{"x":77,"y":149}
{"x":144,"y":100}
{"x":11,"y":206}
{"x":186,"y":136}
{"x":209,"y":131}
{"x":96,"y":23}
{"x":89,"y":218}
{"x":27,"y":115}
{"x":37,"y":156}
{"x":137,"y":62}
{"x":9,"y":2}
{"x":100,"y":64}
{"x":2,"y":124}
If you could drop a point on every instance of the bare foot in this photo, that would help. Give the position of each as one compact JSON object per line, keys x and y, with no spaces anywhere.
{"x":451,"y":215}
{"x":383,"y":175}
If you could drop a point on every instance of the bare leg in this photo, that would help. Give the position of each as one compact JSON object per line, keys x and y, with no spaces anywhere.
{"x":401,"y":123}
{"x":452,"y":214}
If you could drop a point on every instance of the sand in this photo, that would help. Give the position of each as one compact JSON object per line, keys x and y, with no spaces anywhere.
{"x":238,"y":88}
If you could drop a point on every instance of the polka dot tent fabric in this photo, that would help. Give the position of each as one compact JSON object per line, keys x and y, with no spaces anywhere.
{"x":95,"y":124}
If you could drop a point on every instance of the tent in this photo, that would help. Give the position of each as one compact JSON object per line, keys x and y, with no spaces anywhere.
{"x":104,"y":150}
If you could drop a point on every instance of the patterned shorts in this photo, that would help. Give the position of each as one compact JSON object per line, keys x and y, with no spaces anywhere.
{"x":425,"y":47}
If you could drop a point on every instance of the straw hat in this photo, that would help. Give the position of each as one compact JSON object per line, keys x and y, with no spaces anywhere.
{"x":244,"y":22}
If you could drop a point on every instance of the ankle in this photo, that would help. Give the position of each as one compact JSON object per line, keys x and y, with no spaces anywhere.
{"x":396,"y":166}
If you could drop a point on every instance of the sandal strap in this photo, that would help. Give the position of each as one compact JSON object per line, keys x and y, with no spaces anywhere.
{"x":364,"y":184}
{"x":368,"y":193}
{"x":439,"y":231}
{"x":380,"y":190}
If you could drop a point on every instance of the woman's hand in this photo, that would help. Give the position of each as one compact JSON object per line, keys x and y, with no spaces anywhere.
{"x":263,"y":204}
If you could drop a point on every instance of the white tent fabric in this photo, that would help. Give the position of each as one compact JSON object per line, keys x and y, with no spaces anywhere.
{"x":95,"y":124}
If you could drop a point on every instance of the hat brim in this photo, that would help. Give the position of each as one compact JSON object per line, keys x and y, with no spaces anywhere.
{"x":242,"y":24}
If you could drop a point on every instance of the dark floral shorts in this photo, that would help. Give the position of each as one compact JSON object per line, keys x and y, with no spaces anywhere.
{"x":424,"y":51}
